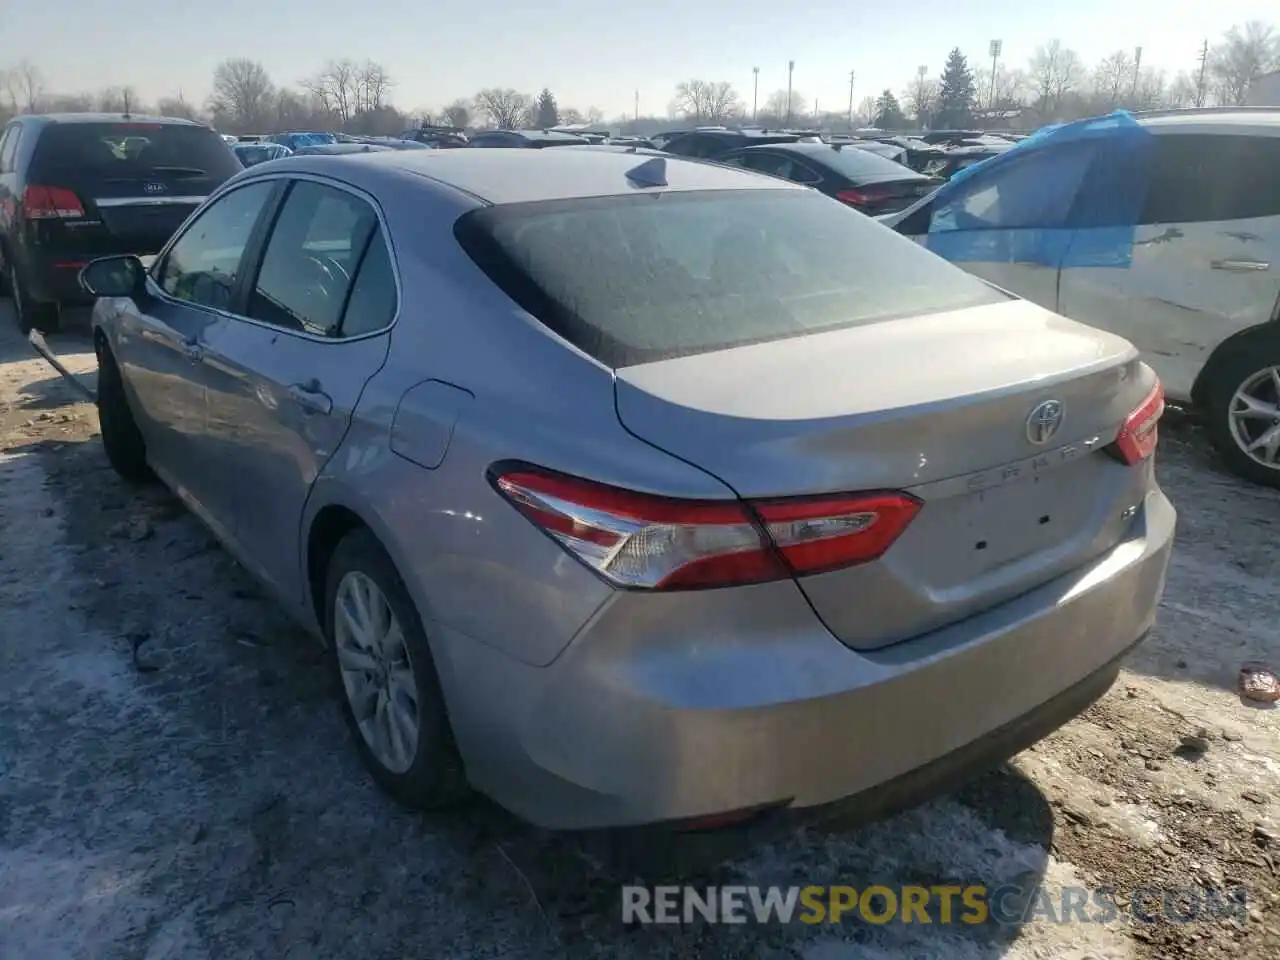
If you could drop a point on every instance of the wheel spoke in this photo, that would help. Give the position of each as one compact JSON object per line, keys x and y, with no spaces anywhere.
{"x":1255,"y":409}
{"x":1269,"y":444}
{"x":363,"y":695}
{"x":355,"y":660}
{"x":1275,"y":382}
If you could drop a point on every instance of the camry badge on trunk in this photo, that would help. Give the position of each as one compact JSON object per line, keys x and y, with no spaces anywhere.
{"x":153,"y":188}
{"x":1044,"y":421}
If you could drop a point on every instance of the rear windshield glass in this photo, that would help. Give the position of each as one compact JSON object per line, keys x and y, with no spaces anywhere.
{"x":135,"y":150}
{"x":862,"y":162}
{"x":635,"y":279}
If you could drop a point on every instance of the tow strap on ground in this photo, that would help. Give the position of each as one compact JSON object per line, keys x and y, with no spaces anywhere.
{"x":36,"y":339}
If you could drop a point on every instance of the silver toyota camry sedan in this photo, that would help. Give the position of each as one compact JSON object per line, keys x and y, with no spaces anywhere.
{"x":631,"y":489}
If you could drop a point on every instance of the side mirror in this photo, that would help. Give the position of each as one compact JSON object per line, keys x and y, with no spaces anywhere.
{"x":114,"y":277}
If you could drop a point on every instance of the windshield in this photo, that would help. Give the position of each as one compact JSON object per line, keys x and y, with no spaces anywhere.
{"x":136,"y":150}
{"x":634,"y":279}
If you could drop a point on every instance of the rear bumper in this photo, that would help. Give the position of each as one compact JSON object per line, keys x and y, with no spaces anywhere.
{"x":653,"y":714}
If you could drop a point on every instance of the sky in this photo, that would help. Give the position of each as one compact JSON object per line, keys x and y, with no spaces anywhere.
{"x":589,"y":52}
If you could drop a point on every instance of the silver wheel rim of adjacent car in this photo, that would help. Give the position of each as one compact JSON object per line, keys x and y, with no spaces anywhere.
{"x":377,"y":673}
{"x":1254,"y":416}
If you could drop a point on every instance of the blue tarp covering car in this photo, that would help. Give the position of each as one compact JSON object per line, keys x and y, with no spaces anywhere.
{"x":1088,"y":174}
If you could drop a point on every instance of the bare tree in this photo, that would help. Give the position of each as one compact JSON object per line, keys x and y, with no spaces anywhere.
{"x":506,"y":109}
{"x":68,"y":103}
{"x":338,"y":87}
{"x":176,"y":106}
{"x":709,"y":101}
{"x":372,"y":83}
{"x":1242,"y":57}
{"x":1010,"y":89}
{"x":867,"y":108}
{"x":1150,"y":92}
{"x":458,"y":114}
{"x":1054,"y":71}
{"x":24,"y":85}
{"x":774,"y":109}
{"x":921,"y":98}
{"x":1112,"y":78}
{"x":118,"y":100}
{"x":1182,"y":91}
{"x":243,"y":95}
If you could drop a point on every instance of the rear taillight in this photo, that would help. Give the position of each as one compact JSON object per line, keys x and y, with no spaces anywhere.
{"x":51,"y":203}
{"x":1140,"y":431}
{"x":640,"y":541}
{"x":862,"y":198}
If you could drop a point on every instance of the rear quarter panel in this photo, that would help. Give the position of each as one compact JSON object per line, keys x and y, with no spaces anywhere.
{"x":469,"y":559}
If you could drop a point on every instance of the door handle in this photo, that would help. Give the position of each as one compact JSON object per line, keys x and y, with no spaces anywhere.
{"x":1241,"y":266}
{"x":311,"y":397}
{"x":192,"y":351}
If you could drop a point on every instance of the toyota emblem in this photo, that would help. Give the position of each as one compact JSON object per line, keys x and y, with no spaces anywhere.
{"x":1044,"y":421}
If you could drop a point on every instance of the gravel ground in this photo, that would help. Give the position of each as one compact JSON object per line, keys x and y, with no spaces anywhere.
{"x":175,"y":781}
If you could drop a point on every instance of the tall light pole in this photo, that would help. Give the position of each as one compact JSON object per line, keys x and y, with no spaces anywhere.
{"x":791,"y":66}
{"x":755,"y":92}
{"x":922,"y":71}
{"x":1137,"y":66}
{"x":994,"y":49}
{"x":851,"y":76}
{"x":637,"y":106}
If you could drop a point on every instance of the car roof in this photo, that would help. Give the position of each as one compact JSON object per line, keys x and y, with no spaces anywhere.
{"x":545,"y":136}
{"x":1258,"y":118}
{"x":110,"y":118}
{"x":521,"y":176}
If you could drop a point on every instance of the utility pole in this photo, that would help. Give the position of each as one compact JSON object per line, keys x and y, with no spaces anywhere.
{"x":851,"y":76}
{"x":1204,"y":66}
{"x":1137,"y":67}
{"x":755,"y":92}
{"x":922,"y":118}
{"x":637,"y":106}
{"x":791,"y":66}
{"x":994,"y":49}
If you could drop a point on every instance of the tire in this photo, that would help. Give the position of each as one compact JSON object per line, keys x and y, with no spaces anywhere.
{"x":32,"y":314}
{"x":1246,"y":369}
{"x":121,"y":439}
{"x":431,"y":774}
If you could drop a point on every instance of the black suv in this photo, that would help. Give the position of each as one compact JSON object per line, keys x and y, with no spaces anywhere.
{"x":78,"y":186}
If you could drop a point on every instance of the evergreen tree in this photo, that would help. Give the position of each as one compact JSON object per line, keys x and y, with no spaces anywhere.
{"x":957,"y":94}
{"x":546,"y":114}
{"x":889,"y":115}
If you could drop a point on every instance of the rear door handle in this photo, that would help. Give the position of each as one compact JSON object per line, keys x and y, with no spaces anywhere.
{"x":311,"y":397}
{"x":192,"y":351}
{"x":1241,"y":266}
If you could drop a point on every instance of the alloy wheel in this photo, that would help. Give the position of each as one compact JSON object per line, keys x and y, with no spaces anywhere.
{"x":1254,"y":416}
{"x":377,"y":674}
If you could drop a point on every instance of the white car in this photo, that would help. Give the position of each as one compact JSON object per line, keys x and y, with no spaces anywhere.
{"x":1167,"y":233}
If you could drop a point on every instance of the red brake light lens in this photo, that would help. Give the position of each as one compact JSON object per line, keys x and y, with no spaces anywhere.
{"x":51,"y":203}
{"x":1140,"y":431}
{"x":640,"y":541}
{"x":861,"y":198}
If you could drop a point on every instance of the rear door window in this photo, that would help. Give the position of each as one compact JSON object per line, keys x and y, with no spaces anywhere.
{"x":1203,"y":178}
{"x":165,"y":152}
{"x":373,"y":300}
{"x":314,"y":251}
{"x":633,"y":279}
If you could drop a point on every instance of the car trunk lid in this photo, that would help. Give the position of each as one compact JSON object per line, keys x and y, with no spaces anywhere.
{"x":940,"y":406}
